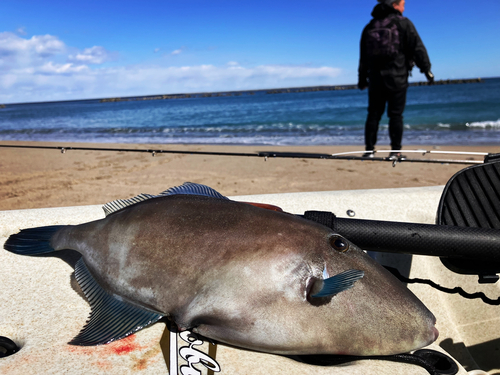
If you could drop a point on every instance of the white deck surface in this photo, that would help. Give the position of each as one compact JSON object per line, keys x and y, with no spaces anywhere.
{"x":41,"y":311}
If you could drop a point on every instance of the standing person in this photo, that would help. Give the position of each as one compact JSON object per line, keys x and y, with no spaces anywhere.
{"x":390,"y":46}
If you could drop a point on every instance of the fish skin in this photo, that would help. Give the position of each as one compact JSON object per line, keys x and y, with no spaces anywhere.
{"x":242,"y":275}
{"x":239,"y":275}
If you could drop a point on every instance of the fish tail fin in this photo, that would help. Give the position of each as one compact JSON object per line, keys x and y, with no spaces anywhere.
{"x":32,"y":241}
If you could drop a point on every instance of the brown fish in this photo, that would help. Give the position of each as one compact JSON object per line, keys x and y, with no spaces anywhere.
{"x":233,"y":272}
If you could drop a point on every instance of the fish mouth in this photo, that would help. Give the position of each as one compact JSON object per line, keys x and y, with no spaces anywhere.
{"x":433,"y":332}
{"x":436,"y":333}
{"x":434,"y":329}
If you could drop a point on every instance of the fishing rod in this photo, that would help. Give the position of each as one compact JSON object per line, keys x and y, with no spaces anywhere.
{"x":466,"y":236}
{"x":351,"y":155}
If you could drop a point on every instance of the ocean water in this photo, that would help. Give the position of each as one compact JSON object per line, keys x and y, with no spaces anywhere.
{"x":463,"y":114}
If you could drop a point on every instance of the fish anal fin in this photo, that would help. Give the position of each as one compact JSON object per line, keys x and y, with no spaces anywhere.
{"x":338,"y":283}
{"x":110,"y":318}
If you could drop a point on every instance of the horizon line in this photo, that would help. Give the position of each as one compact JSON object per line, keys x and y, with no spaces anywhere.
{"x":244,"y":92}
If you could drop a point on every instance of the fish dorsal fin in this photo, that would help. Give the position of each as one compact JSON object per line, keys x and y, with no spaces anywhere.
{"x":120,"y":204}
{"x":191,"y":188}
{"x":110,"y":318}
{"x":188,"y":188}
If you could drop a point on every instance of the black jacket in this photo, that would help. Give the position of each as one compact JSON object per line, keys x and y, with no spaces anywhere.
{"x":394,"y":74}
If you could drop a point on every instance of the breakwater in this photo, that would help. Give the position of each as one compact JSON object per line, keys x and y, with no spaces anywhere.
{"x":273,"y":91}
{"x":246,"y":92}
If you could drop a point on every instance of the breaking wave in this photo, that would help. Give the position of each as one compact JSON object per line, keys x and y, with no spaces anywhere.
{"x":484,"y":124}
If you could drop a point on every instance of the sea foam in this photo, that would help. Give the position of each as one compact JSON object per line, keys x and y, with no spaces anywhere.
{"x":484,"y":124}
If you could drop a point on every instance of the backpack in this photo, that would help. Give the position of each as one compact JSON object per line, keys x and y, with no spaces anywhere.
{"x":382,"y":39}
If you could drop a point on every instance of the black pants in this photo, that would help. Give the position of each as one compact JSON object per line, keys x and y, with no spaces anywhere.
{"x":378,"y":95}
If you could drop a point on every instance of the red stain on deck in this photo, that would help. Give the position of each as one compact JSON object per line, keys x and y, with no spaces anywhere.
{"x":140,"y":356}
{"x":125,"y":346}
{"x":120,"y":347}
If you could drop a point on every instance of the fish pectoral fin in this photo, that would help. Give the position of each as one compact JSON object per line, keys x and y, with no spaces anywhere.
{"x":110,"y":318}
{"x":338,"y":283}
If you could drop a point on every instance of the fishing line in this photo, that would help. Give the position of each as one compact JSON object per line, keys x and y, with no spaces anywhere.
{"x":350,"y":155}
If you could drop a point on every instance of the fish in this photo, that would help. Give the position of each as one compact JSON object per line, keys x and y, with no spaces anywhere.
{"x":247,"y":275}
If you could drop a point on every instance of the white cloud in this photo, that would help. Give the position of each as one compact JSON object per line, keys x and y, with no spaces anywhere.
{"x":13,"y":47}
{"x":177,"y":51}
{"x":93,"y":55}
{"x":69,"y":81}
{"x":41,"y":68}
{"x":68,"y":68}
{"x":21,"y":30}
{"x":46,"y":45}
{"x":143,"y":80}
{"x":233,"y":64}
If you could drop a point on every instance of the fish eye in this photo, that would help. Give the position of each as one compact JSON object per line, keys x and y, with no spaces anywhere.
{"x":339,"y":243}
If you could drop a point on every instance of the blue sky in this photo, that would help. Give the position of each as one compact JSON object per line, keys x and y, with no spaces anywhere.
{"x":62,"y":50}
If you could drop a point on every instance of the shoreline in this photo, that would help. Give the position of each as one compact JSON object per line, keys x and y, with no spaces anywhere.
{"x":37,"y":178}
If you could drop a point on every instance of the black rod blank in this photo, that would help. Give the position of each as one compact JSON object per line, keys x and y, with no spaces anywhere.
{"x":260,"y":154}
{"x":413,"y":238}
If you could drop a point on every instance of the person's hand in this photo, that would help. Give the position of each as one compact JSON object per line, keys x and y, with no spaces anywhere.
{"x":362,"y":83}
{"x":430,"y":77}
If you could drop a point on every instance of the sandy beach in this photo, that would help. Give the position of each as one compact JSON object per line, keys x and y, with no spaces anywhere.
{"x":36,"y":178}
